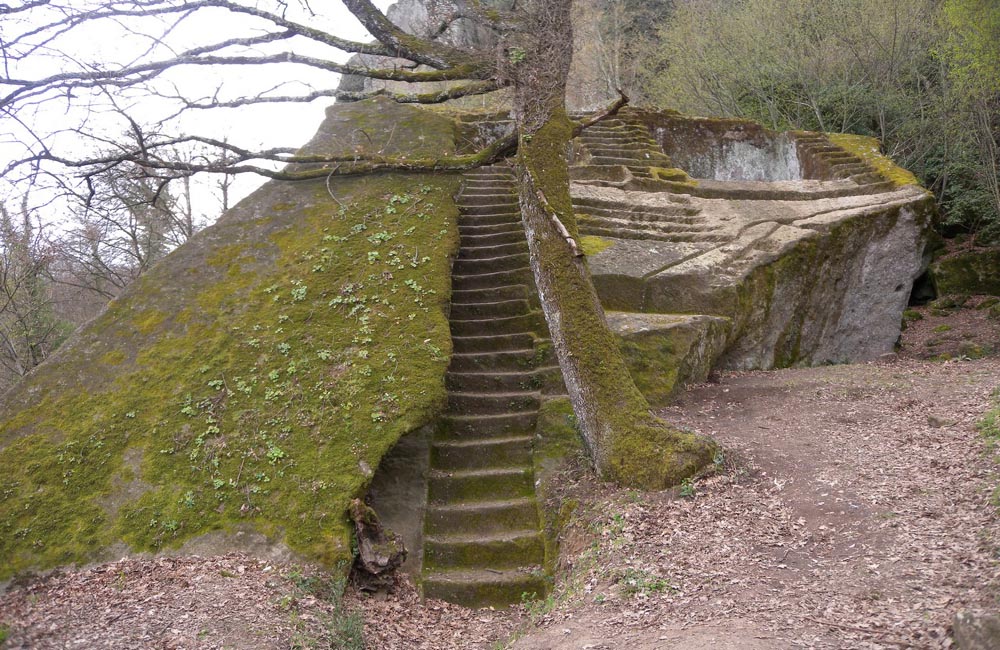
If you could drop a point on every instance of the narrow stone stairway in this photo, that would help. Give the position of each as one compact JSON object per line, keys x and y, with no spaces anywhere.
{"x":482,"y":539}
{"x":618,"y":141}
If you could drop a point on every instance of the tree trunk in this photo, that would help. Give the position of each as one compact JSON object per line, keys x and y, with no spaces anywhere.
{"x":627,"y":443}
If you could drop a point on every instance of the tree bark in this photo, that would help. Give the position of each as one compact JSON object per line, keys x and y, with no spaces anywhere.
{"x":626,"y":442}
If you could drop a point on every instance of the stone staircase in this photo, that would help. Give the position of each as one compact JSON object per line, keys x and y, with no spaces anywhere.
{"x":618,"y":141}
{"x":482,"y":539}
{"x":833,"y":162}
{"x":679,"y":222}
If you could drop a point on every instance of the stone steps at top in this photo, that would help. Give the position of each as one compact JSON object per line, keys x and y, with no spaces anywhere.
{"x":619,"y":142}
{"x":677,"y":208}
{"x":635,"y":233}
{"x":482,"y":537}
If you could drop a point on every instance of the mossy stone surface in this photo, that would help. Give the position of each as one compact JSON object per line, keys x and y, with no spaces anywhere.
{"x":252,"y":380}
{"x":665,"y":351}
{"x":972,"y":272}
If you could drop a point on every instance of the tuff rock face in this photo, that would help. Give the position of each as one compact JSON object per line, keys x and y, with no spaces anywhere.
{"x":804,"y":246}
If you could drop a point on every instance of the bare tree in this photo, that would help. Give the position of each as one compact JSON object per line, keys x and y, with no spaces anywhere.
{"x":530,"y":57}
{"x":29,"y":327}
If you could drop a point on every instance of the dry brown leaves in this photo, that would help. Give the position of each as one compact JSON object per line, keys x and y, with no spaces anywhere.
{"x":853,"y":511}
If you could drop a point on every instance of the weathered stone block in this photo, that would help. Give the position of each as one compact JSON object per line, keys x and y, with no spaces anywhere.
{"x":665,"y":351}
{"x":971,"y":272}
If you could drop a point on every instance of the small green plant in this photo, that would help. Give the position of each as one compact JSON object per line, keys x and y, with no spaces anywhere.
{"x":639,"y":581}
{"x":345,"y":627}
{"x":537,"y":607}
{"x":516,"y":55}
{"x":989,"y":426}
{"x":687,"y":488}
{"x":4,"y":633}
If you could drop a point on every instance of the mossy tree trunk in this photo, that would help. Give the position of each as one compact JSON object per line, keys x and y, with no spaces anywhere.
{"x":627,"y":443}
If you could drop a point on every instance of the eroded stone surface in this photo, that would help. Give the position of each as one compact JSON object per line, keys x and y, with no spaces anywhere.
{"x":666,"y":351}
{"x":809,"y":270}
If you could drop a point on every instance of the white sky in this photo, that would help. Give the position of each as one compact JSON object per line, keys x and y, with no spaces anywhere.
{"x":269,"y":125}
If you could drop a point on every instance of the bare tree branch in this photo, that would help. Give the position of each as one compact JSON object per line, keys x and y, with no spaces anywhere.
{"x":600,"y":116}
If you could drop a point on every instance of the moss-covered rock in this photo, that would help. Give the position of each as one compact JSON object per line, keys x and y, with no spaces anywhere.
{"x":251,"y":381}
{"x":971,"y":272}
{"x":869,"y":150}
{"x":666,"y":351}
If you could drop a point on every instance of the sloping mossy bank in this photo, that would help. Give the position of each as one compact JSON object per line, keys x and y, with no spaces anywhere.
{"x":251,"y":381}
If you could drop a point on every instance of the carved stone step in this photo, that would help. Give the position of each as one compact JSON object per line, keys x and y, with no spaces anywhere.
{"x":473,"y":241}
{"x":484,"y":310}
{"x":491,"y":207}
{"x":629,"y":221}
{"x":481,"y":516}
{"x":490,"y":294}
{"x":491,"y":198}
{"x":489,"y":280}
{"x":480,"y":453}
{"x":482,"y":587}
{"x":483,"y":426}
{"x":492,"y":403}
{"x":480,"y":252}
{"x":474,"y":229}
{"x":634,"y":233}
{"x":496,"y":219}
{"x":490,"y":264}
{"x":497,"y":381}
{"x":498,"y":551}
{"x":479,"y":485}
{"x":503,"y":360}
{"x":493,"y":343}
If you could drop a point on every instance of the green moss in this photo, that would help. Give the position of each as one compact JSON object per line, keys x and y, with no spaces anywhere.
{"x":971,"y":272}
{"x":911,"y":315}
{"x":654,"y":363}
{"x":263,"y":407}
{"x":627,"y":443}
{"x":970,"y":350}
{"x":113,"y":358}
{"x":868,"y":149}
{"x":942,"y":328}
{"x":148,"y":321}
{"x":952,"y":301}
{"x":592,"y":245}
{"x":673,"y":174}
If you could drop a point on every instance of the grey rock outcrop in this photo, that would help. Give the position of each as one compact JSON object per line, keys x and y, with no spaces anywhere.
{"x":802,"y":246}
{"x":976,"y":631}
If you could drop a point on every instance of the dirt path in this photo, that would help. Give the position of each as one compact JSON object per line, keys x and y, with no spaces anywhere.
{"x":853,"y":512}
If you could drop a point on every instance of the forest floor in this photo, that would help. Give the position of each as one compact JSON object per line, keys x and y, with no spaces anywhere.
{"x":853,"y":507}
